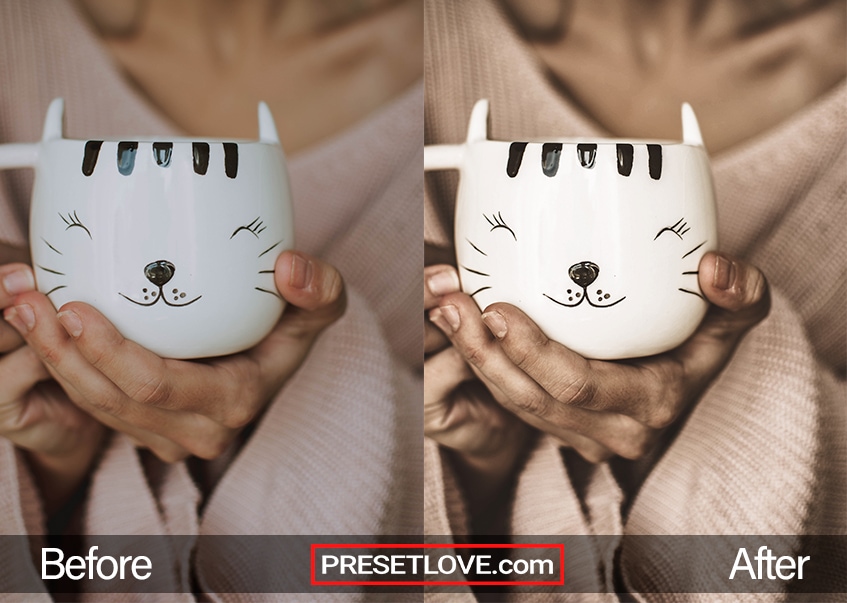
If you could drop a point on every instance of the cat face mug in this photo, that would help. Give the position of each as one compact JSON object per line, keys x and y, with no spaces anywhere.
{"x":173,"y":239}
{"x":597,"y":241}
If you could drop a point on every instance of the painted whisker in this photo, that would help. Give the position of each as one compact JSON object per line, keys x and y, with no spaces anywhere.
{"x":52,"y":271}
{"x":51,"y":247}
{"x":476,"y":248}
{"x":475,"y":271}
{"x":275,"y":294}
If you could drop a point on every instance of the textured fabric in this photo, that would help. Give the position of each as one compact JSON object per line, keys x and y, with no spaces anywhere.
{"x":765,"y":449}
{"x":339,"y":450}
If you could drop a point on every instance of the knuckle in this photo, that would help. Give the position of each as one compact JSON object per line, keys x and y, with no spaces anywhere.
{"x":109,"y":404}
{"x":638,"y":444}
{"x":661,"y":416}
{"x":153,"y":390}
{"x":212,"y":445}
{"x":170,"y":453}
{"x":534,"y":402}
{"x":50,"y":355}
{"x":335,"y":290}
{"x":475,"y":354}
{"x":579,"y":392}
{"x":238,"y":415}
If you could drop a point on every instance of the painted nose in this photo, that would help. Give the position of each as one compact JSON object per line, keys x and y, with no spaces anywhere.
{"x":584,"y":273}
{"x":159,"y":273}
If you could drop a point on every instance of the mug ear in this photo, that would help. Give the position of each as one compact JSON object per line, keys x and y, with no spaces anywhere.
{"x":54,"y":121}
{"x":478,"y":123}
{"x":267,"y":127}
{"x":690,"y":128}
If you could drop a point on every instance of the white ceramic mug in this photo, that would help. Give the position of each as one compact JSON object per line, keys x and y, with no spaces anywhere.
{"x":598,"y":241}
{"x":173,"y":239}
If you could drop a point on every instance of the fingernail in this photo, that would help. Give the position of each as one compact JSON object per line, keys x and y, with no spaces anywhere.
{"x":70,"y":320}
{"x":436,"y":317}
{"x":301,"y":272}
{"x":18,"y":281}
{"x":21,"y":317}
{"x":451,"y":315}
{"x":444,"y":282}
{"x":495,"y":323}
{"x":724,"y":273}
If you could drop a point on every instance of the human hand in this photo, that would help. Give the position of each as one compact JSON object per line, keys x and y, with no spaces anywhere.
{"x":180,"y":408}
{"x":60,"y":440}
{"x":621,"y":406}
{"x":485,"y":441}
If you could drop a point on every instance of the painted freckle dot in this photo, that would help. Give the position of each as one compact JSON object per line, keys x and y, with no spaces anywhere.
{"x":145,"y":297}
{"x":144,"y":290}
{"x":599,"y":292}
{"x":579,"y":294}
{"x":176,"y":290}
{"x":570,"y":299}
{"x":569,"y":291}
{"x":175,"y":298}
{"x":606,"y":296}
{"x":154,"y":293}
{"x":183,"y":295}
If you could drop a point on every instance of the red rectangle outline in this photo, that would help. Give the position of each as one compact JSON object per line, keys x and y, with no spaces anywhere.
{"x":315,"y":582}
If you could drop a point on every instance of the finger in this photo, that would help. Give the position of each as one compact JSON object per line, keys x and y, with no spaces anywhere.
{"x":589,"y":449}
{"x":150,"y":381}
{"x":439,"y":280}
{"x":522,"y":395}
{"x":14,"y":279}
{"x":460,"y":318}
{"x":310,"y":284}
{"x":36,"y":320}
{"x":736,"y":286}
{"x":19,"y":372}
{"x":434,"y":339}
{"x":741,"y":298}
{"x":10,"y":339}
{"x":443,"y":373}
{"x":575,"y":381}
{"x":317,"y":289}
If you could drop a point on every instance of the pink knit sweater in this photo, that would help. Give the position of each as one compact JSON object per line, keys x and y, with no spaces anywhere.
{"x":765,"y":449}
{"x":339,"y":449}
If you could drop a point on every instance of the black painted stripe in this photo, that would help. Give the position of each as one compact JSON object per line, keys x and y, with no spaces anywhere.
{"x":625,"y":153}
{"x":89,"y":158}
{"x":550,"y":153}
{"x":231,"y":159}
{"x":162,"y":152}
{"x":126,"y":157}
{"x":655,"y":153}
{"x":200,"y":151}
{"x":587,"y":153}
{"x":516,"y":150}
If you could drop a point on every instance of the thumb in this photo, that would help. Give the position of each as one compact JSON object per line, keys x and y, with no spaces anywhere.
{"x":313,"y":286}
{"x":738,"y":289}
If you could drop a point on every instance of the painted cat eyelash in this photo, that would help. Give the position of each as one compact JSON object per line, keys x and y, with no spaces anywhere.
{"x":255,"y":228}
{"x":679,"y":229}
{"x":497,"y":221}
{"x":73,"y":220}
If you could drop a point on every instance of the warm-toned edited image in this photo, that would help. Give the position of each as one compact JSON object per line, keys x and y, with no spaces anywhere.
{"x":635,"y":283}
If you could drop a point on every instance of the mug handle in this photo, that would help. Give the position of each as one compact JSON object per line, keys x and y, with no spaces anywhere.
{"x":452,"y":156}
{"x":443,"y":156}
{"x":22,"y":155}
{"x":18,"y":156}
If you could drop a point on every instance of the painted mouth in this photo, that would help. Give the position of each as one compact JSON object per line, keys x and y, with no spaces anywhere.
{"x":158,"y":295}
{"x":575,"y":298}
